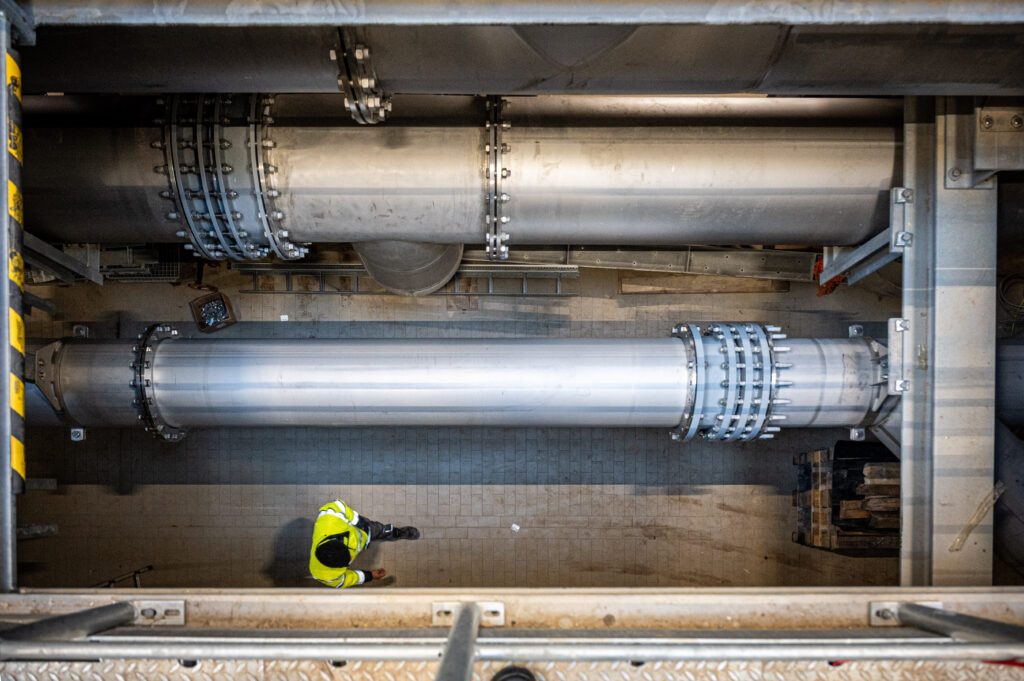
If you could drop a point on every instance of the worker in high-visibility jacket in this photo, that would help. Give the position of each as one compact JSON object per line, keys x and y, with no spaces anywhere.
{"x":339,"y":534}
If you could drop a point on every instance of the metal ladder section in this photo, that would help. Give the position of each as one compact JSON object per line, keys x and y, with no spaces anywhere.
{"x":347,"y":278}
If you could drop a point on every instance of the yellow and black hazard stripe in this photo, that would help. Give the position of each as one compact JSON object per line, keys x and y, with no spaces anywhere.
{"x":15,"y":272}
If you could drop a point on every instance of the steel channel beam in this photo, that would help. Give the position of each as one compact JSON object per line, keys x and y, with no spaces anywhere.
{"x":395,"y":12}
{"x":948,"y":411}
{"x":874,"y":252}
{"x":465,"y":270}
{"x":58,"y":263}
{"x":731,"y":262}
{"x":749,"y":263}
{"x":742,"y":608}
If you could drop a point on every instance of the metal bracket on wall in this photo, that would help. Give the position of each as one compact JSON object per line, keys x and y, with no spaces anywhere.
{"x":364,"y":97}
{"x":886,"y":613}
{"x":880,"y":250}
{"x":962,"y":131}
{"x":899,"y":381}
{"x":492,"y":613}
{"x":999,"y":139}
{"x":160,"y":613}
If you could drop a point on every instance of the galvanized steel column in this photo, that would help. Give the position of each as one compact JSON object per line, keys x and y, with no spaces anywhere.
{"x":949,"y":300}
{"x":12,"y":421}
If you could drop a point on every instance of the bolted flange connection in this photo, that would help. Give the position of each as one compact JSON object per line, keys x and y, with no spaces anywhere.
{"x":495,"y":171}
{"x":142,"y":382}
{"x":733,"y":381}
{"x":216,"y":155}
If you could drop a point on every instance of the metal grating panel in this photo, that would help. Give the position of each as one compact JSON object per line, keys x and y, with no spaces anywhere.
{"x":149,"y":272}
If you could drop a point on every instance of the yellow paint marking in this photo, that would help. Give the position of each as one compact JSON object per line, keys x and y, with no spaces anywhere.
{"x":13,"y":77}
{"x":14,"y":140}
{"x":15,"y":205}
{"x":18,"y":395}
{"x":18,"y":456}
{"x":17,"y":330}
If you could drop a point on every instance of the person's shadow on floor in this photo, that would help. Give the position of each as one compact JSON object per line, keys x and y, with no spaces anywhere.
{"x":289,"y":562}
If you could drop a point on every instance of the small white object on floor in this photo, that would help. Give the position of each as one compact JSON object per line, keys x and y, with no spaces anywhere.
{"x":284,"y":318}
{"x":515,"y":528}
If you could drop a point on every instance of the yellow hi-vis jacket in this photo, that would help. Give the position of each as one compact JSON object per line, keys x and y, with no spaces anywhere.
{"x":337,"y":518}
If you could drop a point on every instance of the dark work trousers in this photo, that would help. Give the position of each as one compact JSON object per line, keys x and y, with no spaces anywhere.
{"x":373,"y":528}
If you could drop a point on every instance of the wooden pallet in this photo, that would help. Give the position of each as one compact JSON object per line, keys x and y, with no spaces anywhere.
{"x":848,"y":499}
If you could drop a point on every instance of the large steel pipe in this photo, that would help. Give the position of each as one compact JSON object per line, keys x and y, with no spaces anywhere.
{"x":593,"y":185}
{"x":583,"y":185}
{"x":728,"y":381}
{"x":244,"y":177}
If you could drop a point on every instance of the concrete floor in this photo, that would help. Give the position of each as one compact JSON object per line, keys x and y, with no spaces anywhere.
{"x":595,"y":507}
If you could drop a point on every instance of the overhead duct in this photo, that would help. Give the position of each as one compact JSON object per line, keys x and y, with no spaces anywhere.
{"x":234,"y":179}
{"x":724,"y":382}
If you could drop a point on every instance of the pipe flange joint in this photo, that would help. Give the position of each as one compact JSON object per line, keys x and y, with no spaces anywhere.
{"x":732,"y":382}
{"x":495,"y":172}
{"x":218,"y":185}
{"x":264,"y":171}
{"x":690,"y":335}
{"x":145,"y":403}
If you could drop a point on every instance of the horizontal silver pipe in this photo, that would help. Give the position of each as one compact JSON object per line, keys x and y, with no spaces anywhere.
{"x":589,"y":185}
{"x":728,"y":381}
{"x":205,"y":383}
{"x":719,"y":175}
{"x":74,"y":625}
{"x":957,"y":625}
{"x":526,"y":650}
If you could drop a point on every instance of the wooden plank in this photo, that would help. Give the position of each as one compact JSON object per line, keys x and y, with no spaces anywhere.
{"x":847,"y":540}
{"x":883,"y":504}
{"x":885,"y":521}
{"x":634,"y":283}
{"x":850,"y":509}
{"x":890,"y":470}
{"x":878,"y":490}
{"x":821,"y":497}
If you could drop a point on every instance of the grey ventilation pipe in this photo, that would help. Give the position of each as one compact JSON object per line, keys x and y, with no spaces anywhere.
{"x":230,"y":178}
{"x":723,"y":382}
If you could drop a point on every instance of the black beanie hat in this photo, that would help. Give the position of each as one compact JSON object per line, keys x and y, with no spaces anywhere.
{"x":332,"y":552}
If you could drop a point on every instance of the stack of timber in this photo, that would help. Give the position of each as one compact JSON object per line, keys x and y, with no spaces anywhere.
{"x":848,"y":499}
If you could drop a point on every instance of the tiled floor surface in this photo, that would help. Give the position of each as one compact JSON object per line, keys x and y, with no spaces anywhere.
{"x":594,"y":507}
